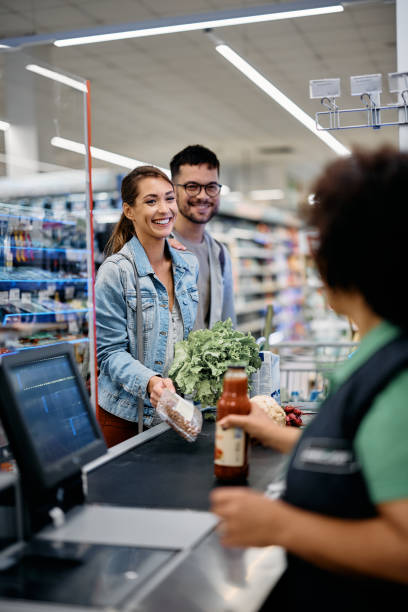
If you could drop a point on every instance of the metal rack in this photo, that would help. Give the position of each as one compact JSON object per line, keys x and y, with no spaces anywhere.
{"x":372,"y":114}
{"x":305,"y":366}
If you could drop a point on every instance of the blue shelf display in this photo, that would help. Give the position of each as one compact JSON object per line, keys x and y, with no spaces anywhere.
{"x":44,"y":277}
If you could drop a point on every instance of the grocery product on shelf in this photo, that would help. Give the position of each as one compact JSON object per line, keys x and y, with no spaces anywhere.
{"x":43,"y":275}
{"x":267,"y":271}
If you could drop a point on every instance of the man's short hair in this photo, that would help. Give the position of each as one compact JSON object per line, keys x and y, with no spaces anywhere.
{"x":193,"y":155}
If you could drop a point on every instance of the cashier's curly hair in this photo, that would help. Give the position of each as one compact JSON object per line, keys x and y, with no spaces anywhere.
{"x":124,"y":230}
{"x":361,"y":217}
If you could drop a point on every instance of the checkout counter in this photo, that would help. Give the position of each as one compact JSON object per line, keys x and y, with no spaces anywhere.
{"x":142,"y":538}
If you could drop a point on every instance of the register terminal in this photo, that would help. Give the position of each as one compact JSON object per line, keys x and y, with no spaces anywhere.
{"x":52,"y":431}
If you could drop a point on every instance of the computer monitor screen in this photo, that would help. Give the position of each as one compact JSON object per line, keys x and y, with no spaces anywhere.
{"x":47,"y":414}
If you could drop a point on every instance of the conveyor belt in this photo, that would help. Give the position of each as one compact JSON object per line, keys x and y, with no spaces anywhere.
{"x":168,"y":472}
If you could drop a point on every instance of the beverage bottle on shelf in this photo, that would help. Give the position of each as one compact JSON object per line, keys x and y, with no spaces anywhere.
{"x":231,"y":445}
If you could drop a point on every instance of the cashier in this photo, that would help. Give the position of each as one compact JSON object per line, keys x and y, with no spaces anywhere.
{"x":167,"y":280}
{"x":343,"y":518}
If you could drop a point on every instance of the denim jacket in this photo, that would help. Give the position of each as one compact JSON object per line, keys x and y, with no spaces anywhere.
{"x":122,"y":379}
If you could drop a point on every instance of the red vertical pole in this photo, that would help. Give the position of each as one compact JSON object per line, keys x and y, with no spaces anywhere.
{"x":94,"y":378}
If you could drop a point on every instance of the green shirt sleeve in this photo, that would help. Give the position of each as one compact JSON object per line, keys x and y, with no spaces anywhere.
{"x":382,"y":442}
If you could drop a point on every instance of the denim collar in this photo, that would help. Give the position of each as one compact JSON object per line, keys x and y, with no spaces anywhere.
{"x":143,"y":265}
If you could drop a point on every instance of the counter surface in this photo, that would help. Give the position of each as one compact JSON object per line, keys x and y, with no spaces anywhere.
{"x":157,"y":469}
{"x":168,"y":472}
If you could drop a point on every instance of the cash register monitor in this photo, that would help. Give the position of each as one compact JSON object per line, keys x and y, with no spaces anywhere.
{"x":47,"y":415}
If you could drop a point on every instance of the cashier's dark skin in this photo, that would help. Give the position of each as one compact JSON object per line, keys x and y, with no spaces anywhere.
{"x":376,"y":547}
{"x":249,"y":518}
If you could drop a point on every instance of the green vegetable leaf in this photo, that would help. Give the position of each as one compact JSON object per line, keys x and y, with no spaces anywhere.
{"x":201,"y":361}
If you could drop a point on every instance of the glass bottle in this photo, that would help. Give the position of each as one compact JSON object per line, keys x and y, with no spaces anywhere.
{"x":231,"y":445}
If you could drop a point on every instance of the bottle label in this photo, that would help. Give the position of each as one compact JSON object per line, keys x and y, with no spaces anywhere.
{"x":229,"y":446}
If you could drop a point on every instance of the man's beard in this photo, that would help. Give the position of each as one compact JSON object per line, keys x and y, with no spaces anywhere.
{"x":188,"y":214}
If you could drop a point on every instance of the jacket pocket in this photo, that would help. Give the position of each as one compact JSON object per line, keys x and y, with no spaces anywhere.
{"x":193,"y":294}
{"x":147,"y":313}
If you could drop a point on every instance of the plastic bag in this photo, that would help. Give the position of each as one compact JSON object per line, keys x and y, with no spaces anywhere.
{"x":266,"y":380}
{"x":181,"y":415}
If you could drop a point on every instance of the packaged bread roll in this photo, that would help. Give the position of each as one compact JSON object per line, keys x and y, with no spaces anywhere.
{"x":271,"y":408}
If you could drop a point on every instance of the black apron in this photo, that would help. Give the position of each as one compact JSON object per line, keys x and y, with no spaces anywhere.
{"x":325,"y":477}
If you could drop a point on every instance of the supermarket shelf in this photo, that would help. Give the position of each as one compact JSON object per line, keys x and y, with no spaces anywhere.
{"x":49,"y":281}
{"x":254,"y":306}
{"x":252,"y":326}
{"x":34,"y":218}
{"x":251,"y":272}
{"x":255,"y":253}
{"x":254,"y":288}
{"x":262,"y":263}
{"x":26,"y":247}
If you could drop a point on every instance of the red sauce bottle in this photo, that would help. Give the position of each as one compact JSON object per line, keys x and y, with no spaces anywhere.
{"x":231,"y":445}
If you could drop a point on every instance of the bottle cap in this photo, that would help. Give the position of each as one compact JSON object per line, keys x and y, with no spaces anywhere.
{"x":237,"y":365}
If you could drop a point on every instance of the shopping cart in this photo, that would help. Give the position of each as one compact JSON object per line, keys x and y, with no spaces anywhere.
{"x":306,"y":366}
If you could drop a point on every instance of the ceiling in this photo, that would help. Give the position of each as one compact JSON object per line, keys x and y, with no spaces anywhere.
{"x":153,"y":96}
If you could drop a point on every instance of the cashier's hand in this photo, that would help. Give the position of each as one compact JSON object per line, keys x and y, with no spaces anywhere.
{"x":156,"y":386}
{"x":256,"y":423}
{"x":259,"y":426}
{"x":248,"y":518}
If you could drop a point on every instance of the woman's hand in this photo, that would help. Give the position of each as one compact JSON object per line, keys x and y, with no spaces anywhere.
{"x":258,"y":425}
{"x":156,"y":386}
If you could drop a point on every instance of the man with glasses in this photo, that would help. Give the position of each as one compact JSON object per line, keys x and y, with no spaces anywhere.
{"x":194,"y":172}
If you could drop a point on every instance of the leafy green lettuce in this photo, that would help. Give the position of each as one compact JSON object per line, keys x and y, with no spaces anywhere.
{"x":201,"y":361}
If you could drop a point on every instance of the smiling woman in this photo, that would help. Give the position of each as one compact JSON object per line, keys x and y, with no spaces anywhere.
{"x":146,"y":301}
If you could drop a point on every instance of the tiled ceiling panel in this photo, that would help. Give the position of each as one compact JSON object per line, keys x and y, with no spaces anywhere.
{"x":152,"y":96}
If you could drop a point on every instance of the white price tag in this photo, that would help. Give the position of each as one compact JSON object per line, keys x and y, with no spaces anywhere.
{"x":397,"y":81}
{"x":26,"y":297}
{"x":4,"y":297}
{"x":69,"y":292}
{"x":324,"y":88}
{"x":73,"y":327}
{"x":366,"y":83}
{"x":42,"y":295}
{"x":14,"y":295}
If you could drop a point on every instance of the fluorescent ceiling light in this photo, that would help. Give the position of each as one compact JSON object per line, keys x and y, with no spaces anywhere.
{"x":267,"y":194}
{"x":279,"y":97}
{"x":108,"y":156}
{"x":197,"y":25}
{"x":4,"y":126}
{"x":56,"y":76}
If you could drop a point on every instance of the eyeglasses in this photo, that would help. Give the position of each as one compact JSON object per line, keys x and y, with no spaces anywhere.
{"x":194,"y":189}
